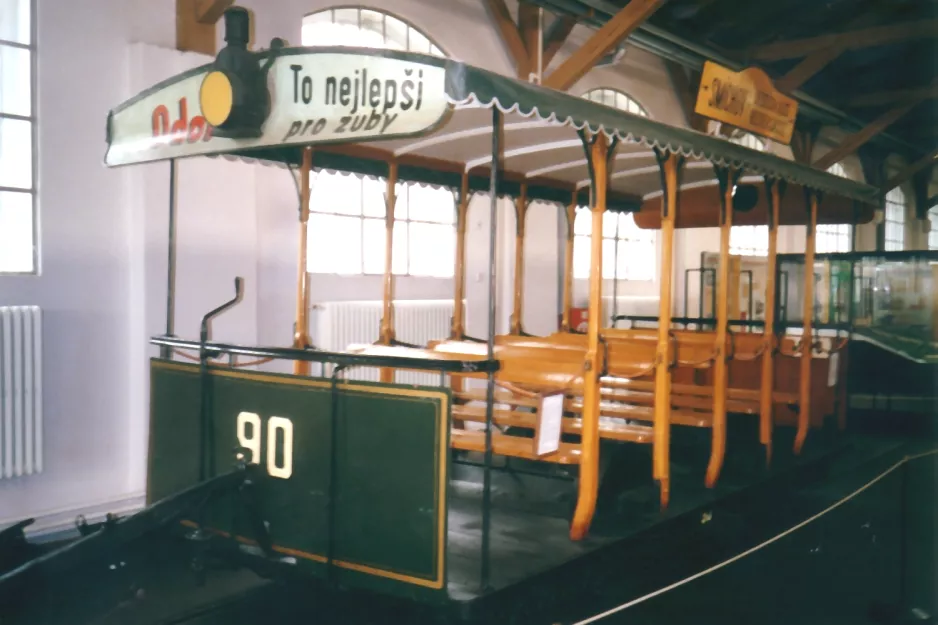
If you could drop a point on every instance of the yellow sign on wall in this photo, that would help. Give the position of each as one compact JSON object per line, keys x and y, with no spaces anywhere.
{"x":747,"y":100}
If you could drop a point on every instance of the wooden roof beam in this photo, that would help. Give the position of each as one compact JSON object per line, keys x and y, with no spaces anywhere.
{"x":510,"y":35}
{"x":881,"y":98}
{"x":195,"y":24}
{"x":849,"y":40}
{"x":850,"y":144}
{"x":903,"y":176}
{"x":616,"y":29}
{"x":556,"y":36}
{"x":210,"y":11}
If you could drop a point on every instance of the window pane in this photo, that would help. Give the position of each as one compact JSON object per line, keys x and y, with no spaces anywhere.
{"x":432,"y":250}
{"x":418,"y":42}
{"x":583,"y":222}
{"x":610,"y":220}
{"x":637,"y":259}
{"x":14,"y":20}
{"x":609,"y":264}
{"x":399,"y":262}
{"x":373,"y":201}
{"x":429,"y":204}
{"x":14,"y":80}
{"x":16,"y":232}
{"x":396,"y":33}
{"x":581,"y":257}
{"x":16,"y":160}
{"x":336,"y":193}
{"x":335,"y":244}
{"x":403,"y":201}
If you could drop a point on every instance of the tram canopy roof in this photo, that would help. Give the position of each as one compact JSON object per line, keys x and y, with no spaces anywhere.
{"x":363,"y":108}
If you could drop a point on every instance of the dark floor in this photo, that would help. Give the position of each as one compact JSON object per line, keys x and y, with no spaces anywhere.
{"x":833,"y":571}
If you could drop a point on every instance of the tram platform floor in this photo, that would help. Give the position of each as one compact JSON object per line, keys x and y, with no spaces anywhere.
{"x":540,"y":576}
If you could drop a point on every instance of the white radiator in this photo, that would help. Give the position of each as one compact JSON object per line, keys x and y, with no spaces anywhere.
{"x":340,"y":324}
{"x":20,"y":391}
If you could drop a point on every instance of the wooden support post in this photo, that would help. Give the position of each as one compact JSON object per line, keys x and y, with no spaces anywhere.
{"x":807,"y":347}
{"x":521,"y":209}
{"x":599,"y":152}
{"x":458,"y":329}
{"x":670,"y":165}
{"x":727,"y":178}
{"x":766,"y":405}
{"x":195,"y":24}
{"x":301,"y":338}
{"x":387,"y":317}
{"x":568,"y":268}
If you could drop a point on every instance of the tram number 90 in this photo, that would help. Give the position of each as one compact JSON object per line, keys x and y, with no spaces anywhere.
{"x":253,"y":442}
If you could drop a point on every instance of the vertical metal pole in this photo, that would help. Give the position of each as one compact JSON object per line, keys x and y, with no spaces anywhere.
{"x":490,"y":386}
{"x":165,"y":351}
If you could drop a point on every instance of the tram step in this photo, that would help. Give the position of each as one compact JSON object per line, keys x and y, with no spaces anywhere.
{"x":513,"y":446}
{"x":516,"y":418}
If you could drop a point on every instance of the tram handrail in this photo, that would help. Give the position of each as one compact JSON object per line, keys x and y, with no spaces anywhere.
{"x":339,"y":358}
{"x":744,"y":323}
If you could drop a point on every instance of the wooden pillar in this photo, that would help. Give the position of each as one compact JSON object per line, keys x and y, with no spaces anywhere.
{"x":766,"y":405}
{"x":458,"y":329}
{"x":568,"y":267}
{"x":521,"y":209}
{"x":301,"y":338}
{"x":727,"y":178}
{"x":387,"y":317}
{"x":599,"y":151}
{"x":670,"y":166}
{"x":804,"y":387}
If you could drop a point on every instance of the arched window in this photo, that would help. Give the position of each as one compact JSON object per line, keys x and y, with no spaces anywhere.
{"x":636,"y":247}
{"x":358,"y":26}
{"x":347,"y":214}
{"x":895,"y":220}
{"x":749,"y":240}
{"x":616,"y":99}
{"x":834,"y":237}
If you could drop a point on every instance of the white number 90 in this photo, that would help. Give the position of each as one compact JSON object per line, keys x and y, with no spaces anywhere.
{"x":253,"y":442}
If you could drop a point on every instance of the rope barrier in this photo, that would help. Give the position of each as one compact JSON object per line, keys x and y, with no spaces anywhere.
{"x":758,"y":547}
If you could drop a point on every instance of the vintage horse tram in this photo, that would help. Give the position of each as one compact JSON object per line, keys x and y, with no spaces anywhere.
{"x":350,"y":481}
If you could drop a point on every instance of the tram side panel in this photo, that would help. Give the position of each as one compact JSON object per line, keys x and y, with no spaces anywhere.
{"x":388,"y":530}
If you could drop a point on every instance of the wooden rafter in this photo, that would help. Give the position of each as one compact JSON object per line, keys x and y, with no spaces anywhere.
{"x":903,"y":176}
{"x":210,"y":11}
{"x":510,"y":34}
{"x":601,"y":43}
{"x":881,"y":98}
{"x":850,"y":144}
{"x":195,"y":24}
{"x":528,"y":29}
{"x":556,"y":36}
{"x":849,"y":40}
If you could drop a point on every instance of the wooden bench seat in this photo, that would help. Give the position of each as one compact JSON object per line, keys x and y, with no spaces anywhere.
{"x":516,"y":418}
{"x":512,"y":446}
{"x":690,"y":418}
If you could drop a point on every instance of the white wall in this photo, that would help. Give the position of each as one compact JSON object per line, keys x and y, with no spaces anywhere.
{"x":103,"y":233}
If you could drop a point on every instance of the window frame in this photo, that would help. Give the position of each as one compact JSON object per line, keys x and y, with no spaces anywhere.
{"x":840,"y":236}
{"x":902,"y":205}
{"x":756,"y":237}
{"x":443,"y":53}
{"x":932,"y":215}
{"x":33,"y":120}
{"x":362,"y":217}
{"x":623,"y":238}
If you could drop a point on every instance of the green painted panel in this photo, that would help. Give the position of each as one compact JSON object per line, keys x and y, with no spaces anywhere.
{"x":390,"y":467}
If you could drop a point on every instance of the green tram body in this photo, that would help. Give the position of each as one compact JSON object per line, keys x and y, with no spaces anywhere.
{"x":354,"y":473}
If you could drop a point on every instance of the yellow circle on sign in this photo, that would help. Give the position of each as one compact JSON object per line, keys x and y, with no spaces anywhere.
{"x":215,"y":98}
